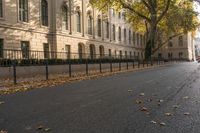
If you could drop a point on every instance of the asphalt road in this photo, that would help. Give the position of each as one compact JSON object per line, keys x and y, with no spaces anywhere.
{"x":111,"y":104}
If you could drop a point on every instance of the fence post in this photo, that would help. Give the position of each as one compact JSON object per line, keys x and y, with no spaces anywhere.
{"x":120,"y":65}
{"x":86,"y":67}
{"x":111,"y":65}
{"x":47,"y":69}
{"x":138,"y":63}
{"x":143,"y":63}
{"x":14,"y":72}
{"x":70,"y":68}
{"x":127,"y":65}
{"x":100,"y":67}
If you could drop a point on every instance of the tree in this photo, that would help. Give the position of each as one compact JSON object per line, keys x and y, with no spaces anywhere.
{"x":156,"y":18}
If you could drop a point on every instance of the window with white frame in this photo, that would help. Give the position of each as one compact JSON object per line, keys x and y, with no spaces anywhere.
{"x":90,"y":24}
{"x":44,"y":13}
{"x":120,"y":34}
{"x":125,"y":35}
{"x":23,"y":10}
{"x":99,"y":26}
{"x":78,"y":21}
{"x":113,"y":32}
{"x":65,"y":18}
{"x":107,"y":29}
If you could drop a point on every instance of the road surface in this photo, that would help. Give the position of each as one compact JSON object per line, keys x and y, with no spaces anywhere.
{"x":161,"y":100}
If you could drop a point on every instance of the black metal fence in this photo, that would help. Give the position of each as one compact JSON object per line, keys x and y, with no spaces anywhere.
{"x":17,"y":58}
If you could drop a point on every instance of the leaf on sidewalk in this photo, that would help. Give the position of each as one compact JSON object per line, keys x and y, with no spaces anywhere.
{"x":138,"y":101}
{"x":142,"y":94}
{"x":40,"y":127}
{"x":160,"y":101}
{"x":154,"y":122}
{"x":144,"y":109}
{"x":186,"y":113}
{"x":130,"y":90}
{"x":175,"y":106}
{"x":168,"y":114}
{"x":163,"y":124}
{"x":2,"y":102}
{"x":47,"y":129}
{"x":186,"y":97}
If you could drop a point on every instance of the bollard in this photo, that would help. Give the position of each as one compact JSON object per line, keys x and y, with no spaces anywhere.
{"x":120,"y":65}
{"x":138,"y":64}
{"x":47,"y":69}
{"x":111,"y":66}
{"x":86,"y":67}
{"x":100,"y":67}
{"x":127,"y":65}
{"x":70,"y":68}
{"x":133,"y":64}
{"x":14,"y":72}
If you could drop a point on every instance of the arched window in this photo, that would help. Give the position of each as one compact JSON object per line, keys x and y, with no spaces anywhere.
{"x":107,"y":29}
{"x":78,"y":21}
{"x":129,"y":35}
{"x":90,"y":24}
{"x":92,"y":51}
{"x":81,"y":50}
{"x":120,"y":34}
{"x":99,"y":26}
{"x":44,"y":13}
{"x":101,"y":51}
{"x":124,"y":35}
{"x":1,"y":8}
{"x":23,"y":10}
{"x":65,"y":17}
{"x":133,"y":38}
{"x":180,"y":40}
{"x":113,"y":28}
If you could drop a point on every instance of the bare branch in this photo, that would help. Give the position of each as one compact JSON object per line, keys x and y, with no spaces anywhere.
{"x":164,"y":12}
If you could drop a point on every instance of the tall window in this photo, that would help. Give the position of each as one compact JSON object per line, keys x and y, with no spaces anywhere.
{"x":129,"y":35}
{"x":120,"y":34}
{"x":133,"y":38}
{"x":90,"y":25}
{"x":141,"y":40}
{"x":65,"y":18}
{"x":78,"y":21}
{"x":113,"y":32}
{"x":25,"y":49}
{"x":99,"y":26}
{"x":124,"y":35}
{"x":44,"y":13}
{"x":1,"y":48}
{"x":180,"y":40}
{"x":23,"y":10}
{"x":138,"y":40}
{"x":107,"y":29}
{"x":1,"y":8}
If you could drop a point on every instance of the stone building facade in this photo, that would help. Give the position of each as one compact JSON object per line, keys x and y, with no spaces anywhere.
{"x":72,"y":28}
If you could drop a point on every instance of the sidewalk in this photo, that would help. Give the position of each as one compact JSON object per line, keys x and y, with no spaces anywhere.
{"x":24,"y":84}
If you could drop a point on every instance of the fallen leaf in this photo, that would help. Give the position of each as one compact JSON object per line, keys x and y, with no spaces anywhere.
{"x":141,"y":94}
{"x":40,"y":127}
{"x":154,"y":122}
{"x":175,"y":106}
{"x":143,"y":109}
{"x":162,"y":124}
{"x":2,"y":102}
{"x":168,"y":114}
{"x":160,"y":101}
{"x":186,"y":97}
{"x":186,"y":113}
{"x":47,"y":129}
{"x":139,"y":101}
{"x":149,"y":100}
{"x":130,"y":90}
